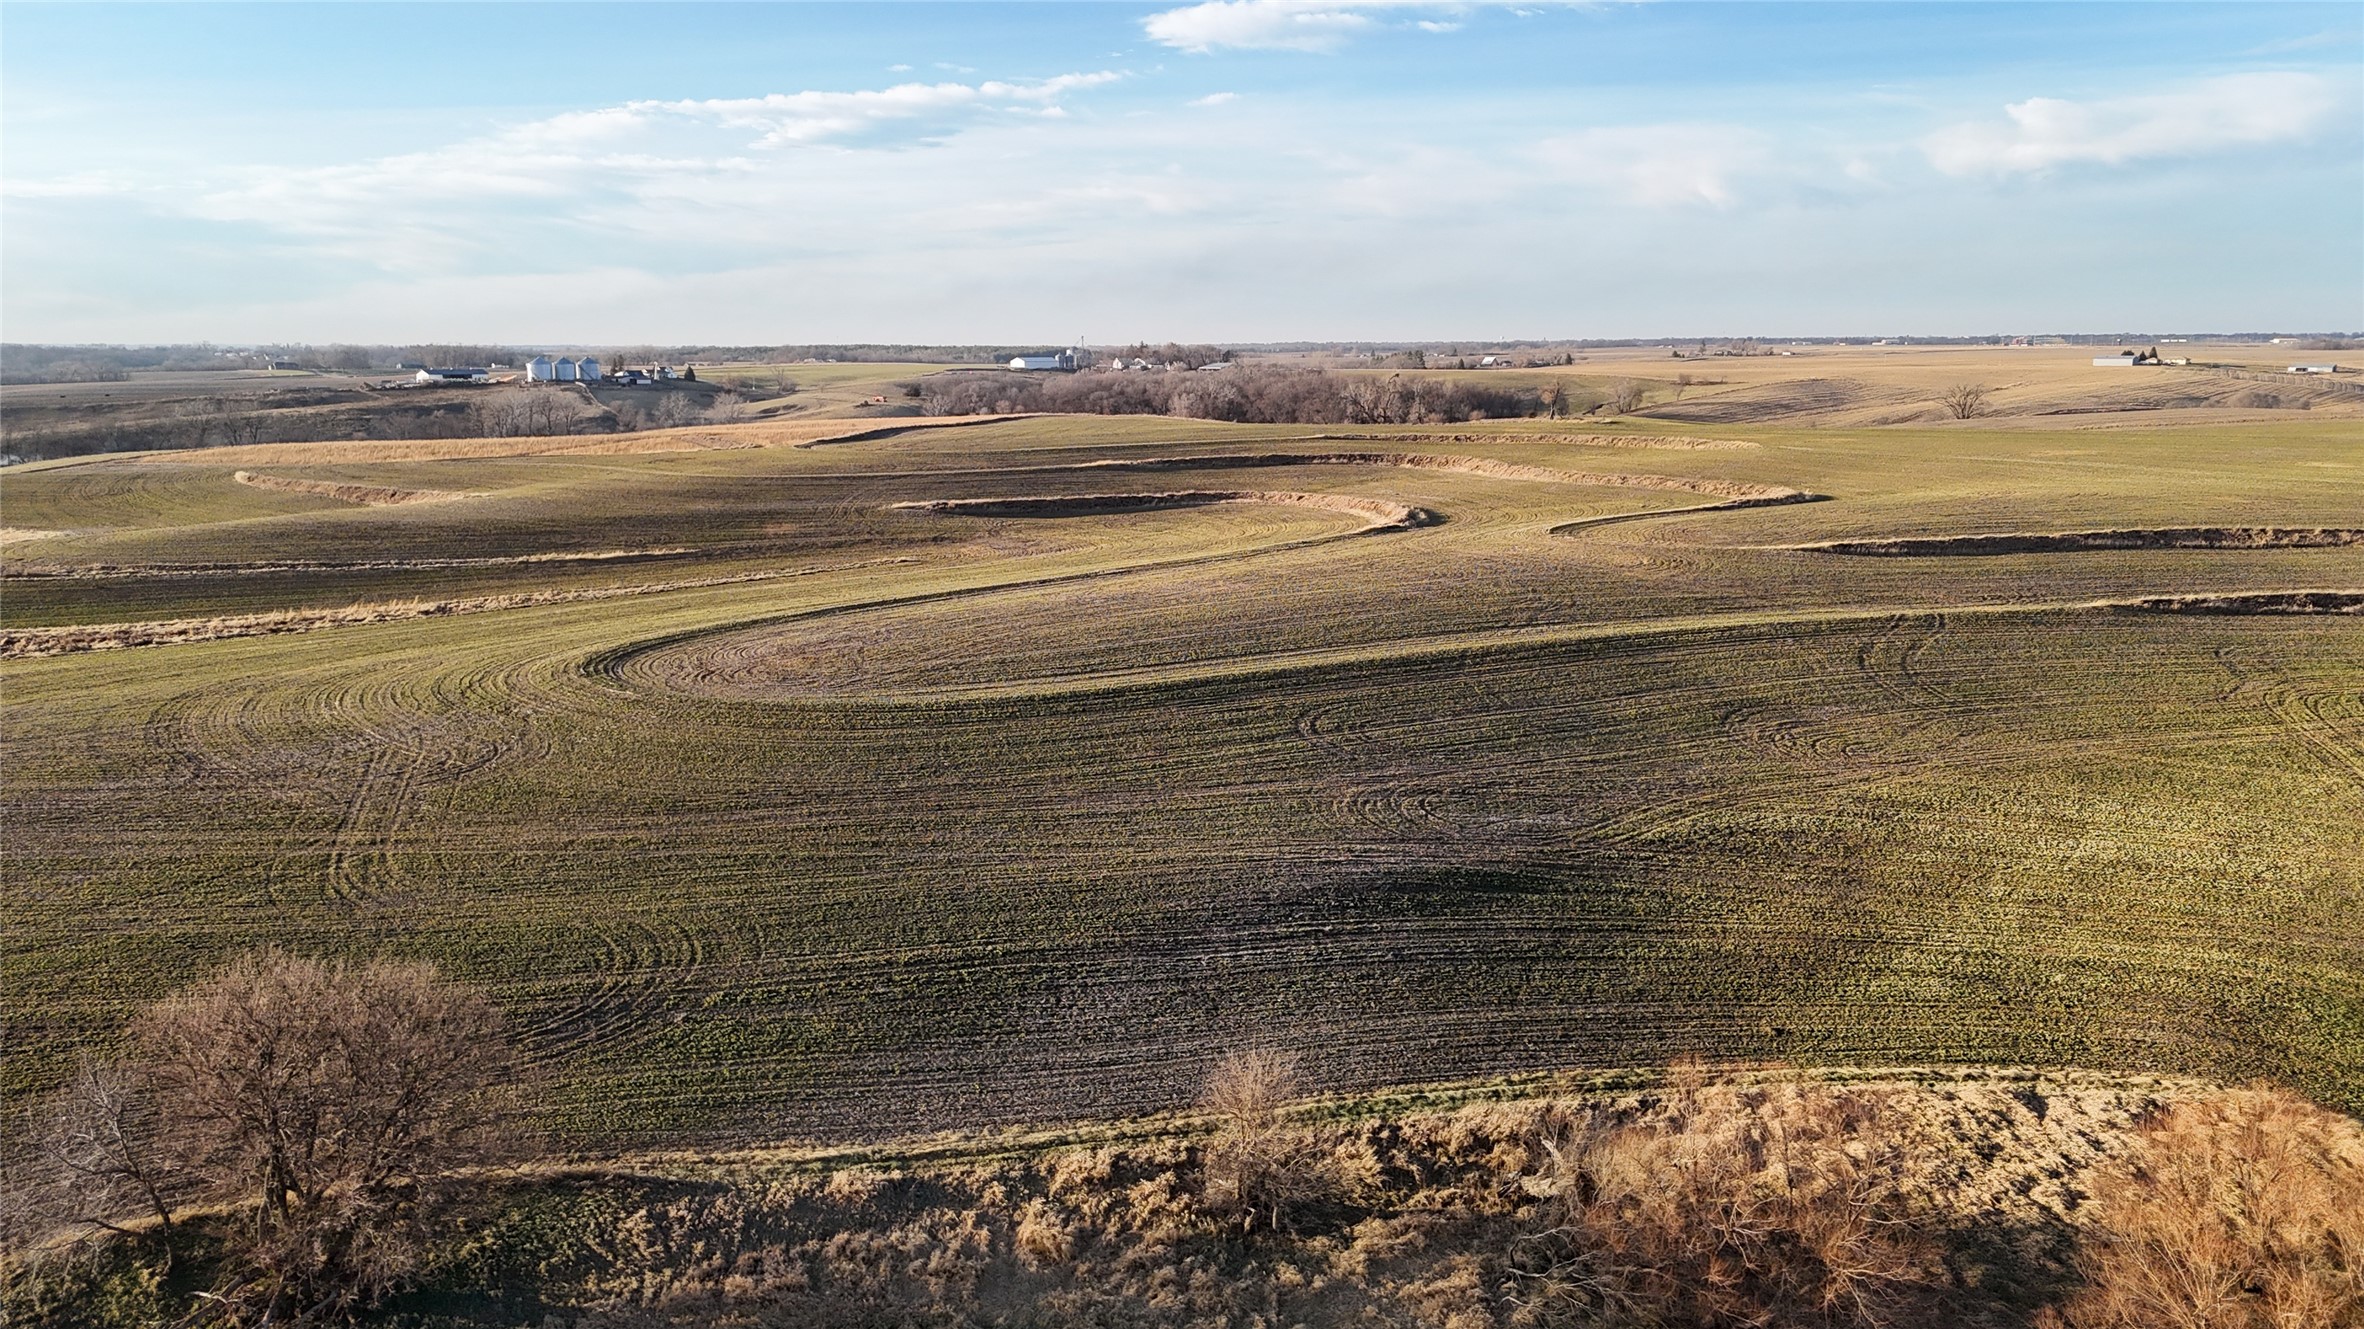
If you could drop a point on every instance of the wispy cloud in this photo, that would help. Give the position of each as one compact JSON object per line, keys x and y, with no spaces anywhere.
{"x":1215,"y":99}
{"x":720,"y":171}
{"x":1660,"y":165}
{"x":2041,"y":133}
{"x":1256,"y":25}
{"x":786,"y":119}
{"x":1319,"y":26}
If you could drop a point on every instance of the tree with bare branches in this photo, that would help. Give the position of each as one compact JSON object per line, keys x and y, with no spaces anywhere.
{"x":329,"y":1108}
{"x":1260,"y":1168}
{"x":1965,"y":401}
{"x":101,"y":1140}
{"x":1625,"y":396}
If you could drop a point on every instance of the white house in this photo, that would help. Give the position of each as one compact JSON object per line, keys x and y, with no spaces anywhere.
{"x":537,"y":370}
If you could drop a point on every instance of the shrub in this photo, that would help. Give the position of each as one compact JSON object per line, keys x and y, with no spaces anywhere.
{"x":1965,"y":401}
{"x":1260,"y":1170}
{"x":1767,"y":1206}
{"x":2237,"y":1210}
{"x":323,"y":1110}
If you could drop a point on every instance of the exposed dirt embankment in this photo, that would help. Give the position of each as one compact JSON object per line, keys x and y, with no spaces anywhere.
{"x":368,"y":496}
{"x":2253,"y":602}
{"x":2050,"y":542}
{"x":1381,"y":514}
{"x":96,"y":570}
{"x":31,"y":643}
{"x":1505,"y":470}
{"x":1661,"y":443}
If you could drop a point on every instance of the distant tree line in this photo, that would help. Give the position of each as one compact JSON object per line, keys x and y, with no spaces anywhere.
{"x":1241,"y":395}
{"x":307,"y":416}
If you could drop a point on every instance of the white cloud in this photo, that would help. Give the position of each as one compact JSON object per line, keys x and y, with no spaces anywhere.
{"x":2236,"y":110}
{"x":1215,"y":99}
{"x":1256,"y":25}
{"x":731,"y":172}
{"x":1299,"y":25}
{"x":1660,"y":165}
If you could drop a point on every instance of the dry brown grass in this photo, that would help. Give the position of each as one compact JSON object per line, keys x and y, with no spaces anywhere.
{"x":2259,"y":602}
{"x":1777,"y":1204}
{"x":1260,"y":1171}
{"x":1487,"y":466}
{"x":1762,"y":1199}
{"x":31,"y":643}
{"x":2240,"y":1211}
{"x":2049,"y":542}
{"x":1653,"y":442}
{"x":759,"y":434}
{"x":370,"y":496}
{"x":1379,"y":513}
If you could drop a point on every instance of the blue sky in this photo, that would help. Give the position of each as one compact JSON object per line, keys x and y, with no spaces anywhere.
{"x":1239,"y":170}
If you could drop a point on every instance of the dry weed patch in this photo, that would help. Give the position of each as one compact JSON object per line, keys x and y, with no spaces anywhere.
{"x":372,"y":496}
{"x":2242,"y":1210}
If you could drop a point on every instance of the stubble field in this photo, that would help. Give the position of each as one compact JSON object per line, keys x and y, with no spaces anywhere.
{"x":827,"y":790}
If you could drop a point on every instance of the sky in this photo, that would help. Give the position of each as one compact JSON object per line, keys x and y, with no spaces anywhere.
{"x":1229,"y":171}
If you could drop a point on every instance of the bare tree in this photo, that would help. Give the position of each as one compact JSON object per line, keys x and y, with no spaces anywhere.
{"x":675,"y":408}
{"x":1260,"y":1168}
{"x":333,"y":1103}
{"x":1965,"y":401}
{"x":100,"y":1140}
{"x":727,"y":407}
{"x":1625,"y":395}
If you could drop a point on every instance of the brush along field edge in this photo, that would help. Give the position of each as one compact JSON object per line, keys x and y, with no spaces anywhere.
{"x":643,"y":663}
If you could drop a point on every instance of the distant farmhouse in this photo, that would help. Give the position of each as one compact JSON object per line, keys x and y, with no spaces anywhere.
{"x":2124,"y":359}
{"x":543,"y":369}
{"x":1068,"y":361}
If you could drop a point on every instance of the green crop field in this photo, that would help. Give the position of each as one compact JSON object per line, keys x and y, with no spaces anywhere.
{"x":766,"y":806}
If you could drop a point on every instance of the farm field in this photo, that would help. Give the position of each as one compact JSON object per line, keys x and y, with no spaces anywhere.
{"x":949,"y":774}
{"x":1850,"y":386}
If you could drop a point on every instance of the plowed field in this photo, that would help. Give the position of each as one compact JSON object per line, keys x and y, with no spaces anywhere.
{"x":953,"y":776}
